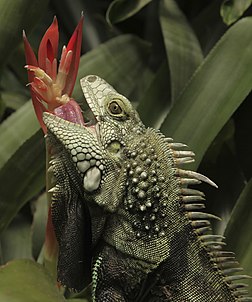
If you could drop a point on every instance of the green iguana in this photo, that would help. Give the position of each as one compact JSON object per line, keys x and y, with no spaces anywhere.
{"x":121,"y":201}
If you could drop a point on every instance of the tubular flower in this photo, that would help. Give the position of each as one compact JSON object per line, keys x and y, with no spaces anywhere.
{"x":51,"y":87}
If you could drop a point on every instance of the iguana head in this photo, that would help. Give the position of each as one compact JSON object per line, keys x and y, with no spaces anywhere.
{"x":87,"y":165}
{"x":113,"y":114}
{"x":96,"y":149}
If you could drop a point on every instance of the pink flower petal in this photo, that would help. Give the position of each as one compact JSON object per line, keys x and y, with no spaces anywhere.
{"x":71,"y":112}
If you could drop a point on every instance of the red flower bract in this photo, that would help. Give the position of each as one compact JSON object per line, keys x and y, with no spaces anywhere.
{"x":52,"y":88}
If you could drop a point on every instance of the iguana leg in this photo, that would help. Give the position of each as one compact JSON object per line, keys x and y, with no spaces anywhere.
{"x":116,"y":277}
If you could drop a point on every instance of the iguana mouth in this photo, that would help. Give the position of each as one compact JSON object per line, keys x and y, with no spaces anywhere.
{"x":91,"y":121}
{"x":92,"y":96}
{"x":91,"y":110}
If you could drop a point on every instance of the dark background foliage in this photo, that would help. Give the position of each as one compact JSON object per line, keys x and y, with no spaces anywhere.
{"x":186,"y":66}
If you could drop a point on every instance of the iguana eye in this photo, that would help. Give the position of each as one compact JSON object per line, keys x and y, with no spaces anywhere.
{"x":114,"y":108}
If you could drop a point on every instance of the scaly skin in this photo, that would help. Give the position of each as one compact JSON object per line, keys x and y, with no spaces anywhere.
{"x":148,"y":239}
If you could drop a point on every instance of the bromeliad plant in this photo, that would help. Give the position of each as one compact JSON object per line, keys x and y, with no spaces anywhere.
{"x":51,"y":90}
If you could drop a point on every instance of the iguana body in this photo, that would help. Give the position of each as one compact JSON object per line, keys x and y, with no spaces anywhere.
{"x":122,"y":199}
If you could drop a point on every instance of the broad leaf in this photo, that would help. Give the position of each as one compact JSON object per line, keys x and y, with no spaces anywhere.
{"x":119,"y":61}
{"x":155,"y":103}
{"x":182,"y":47}
{"x":120,"y":10}
{"x":13,"y":100}
{"x":15,"y":130}
{"x":27,"y":281}
{"x":22,"y":176}
{"x":2,"y":108}
{"x":15,"y":16}
{"x":219,"y":161}
{"x":215,"y":91}
{"x":209,"y":18}
{"x":40,"y":212}
{"x":232,"y":10}
{"x":238,"y":230}
{"x":16,"y":240}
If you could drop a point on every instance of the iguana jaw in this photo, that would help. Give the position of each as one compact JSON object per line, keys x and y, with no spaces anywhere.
{"x":91,"y":126}
{"x":94,"y":115}
{"x":53,"y":122}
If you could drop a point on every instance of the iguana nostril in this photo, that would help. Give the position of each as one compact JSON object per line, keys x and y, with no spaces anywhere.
{"x":92,"y":79}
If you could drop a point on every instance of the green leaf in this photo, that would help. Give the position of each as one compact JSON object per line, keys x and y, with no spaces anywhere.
{"x":247,"y":263}
{"x":16,"y":240}
{"x":16,"y":64}
{"x":2,"y":107}
{"x":232,"y":10}
{"x":13,"y":100}
{"x":27,"y":281}
{"x":215,"y":91}
{"x":238,"y":230}
{"x":40,"y":213}
{"x":221,"y":165}
{"x":158,"y":93}
{"x":9,"y":80}
{"x":182,"y":46}
{"x":209,"y":17}
{"x":119,"y":68}
{"x":15,"y":130}
{"x":120,"y":10}
{"x":22,"y":176}
{"x":15,"y":16}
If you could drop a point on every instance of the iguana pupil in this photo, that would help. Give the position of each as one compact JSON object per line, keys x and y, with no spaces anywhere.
{"x":115,"y":108}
